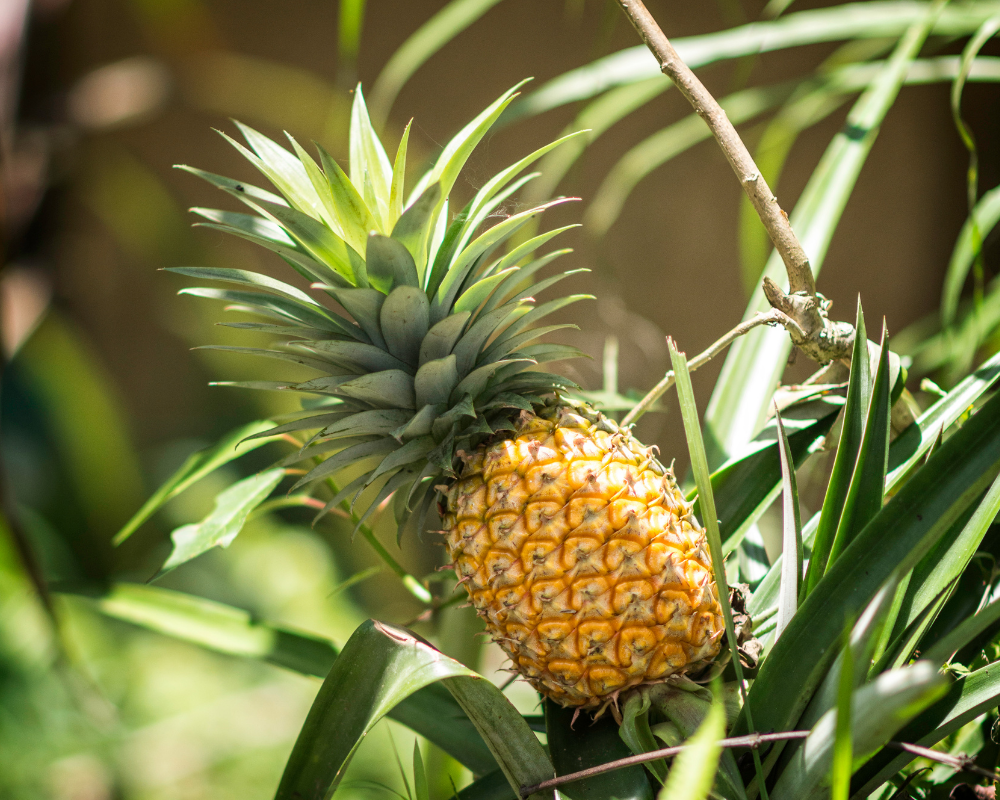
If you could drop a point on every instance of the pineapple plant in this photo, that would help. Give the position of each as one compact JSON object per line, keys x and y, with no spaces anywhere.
{"x":876,"y":624}
{"x":574,"y":543}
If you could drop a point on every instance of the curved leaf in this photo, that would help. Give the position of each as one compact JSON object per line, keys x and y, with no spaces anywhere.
{"x":587,"y":744}
{"x":431,"y":712}
{"x":380,"y":666}
{"x":893,"y":542}
{"x":195,"y":467}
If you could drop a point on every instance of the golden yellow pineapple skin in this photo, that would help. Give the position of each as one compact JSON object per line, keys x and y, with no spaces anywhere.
{"x":578,"y":550}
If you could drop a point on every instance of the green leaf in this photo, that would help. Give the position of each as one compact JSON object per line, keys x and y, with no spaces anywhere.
{"x":970,"y":628}
{"x":389,"y":264}
{"x":984,"y":217}
{"x":517,"y":280}
{"x":852,"y":433}
{"x":966,"y":699}
{"x":196,"y":467}
{"x":349,"y":23}
{"x":321,"y":185}
{"x":496,"y":184}
{"x":699,"y":466}
{"x":388,"y":389}
{"x":842,"y":761}
{"x":431,"y":711}
{"x":873,"y":19}
{"x":279,"y":307}
{"x":669,"y":142}
{"x":354,"y":454}
{"x":280,"y":167}
{"x":791,"y":540}
{"x":916,"y":441}
{"x":367,"y":156}
{"x":246,"y":278}
{"x":251,"y":226}
{"x":380,"y":666}
{"x":863,"y":640}
{"x":878,"y":710}
{"x":379,"y":422}
{"x":442,"y":337}
{"x":944,"y":564}
{"x":864,"y":498}
{"x":893,"y":542}
{"x":356,"y":219}
{"x":513,"y":744}
{"x":636,"y":733}
{"x":474,"y":296}
{"x":747,"y":485}
{"x":365,"y":305}
{"x":321,"y":242}
{"x":457,"y":151}
{"x":693,"y":771}
{"x":430,"y":37}
{"x":413,"y":451}
{"x":218,"y":529}
{"x":466,"y":260}
{"x":574,"y":748}
{"x":404,"y":322}
{"x":359,"y":357}
{"x":398,"y":178}
{"x":413,"y":227}
{"x":435,"y":380}
{"x":493,"y":786}
{"x":222,"y":182}
{"x":421,"y":789}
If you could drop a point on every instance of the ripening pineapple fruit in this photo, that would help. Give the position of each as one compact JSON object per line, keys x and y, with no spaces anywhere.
{"x":575,"y":545}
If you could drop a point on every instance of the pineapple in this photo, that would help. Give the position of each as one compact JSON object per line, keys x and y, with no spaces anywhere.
{"x":575,"y":545}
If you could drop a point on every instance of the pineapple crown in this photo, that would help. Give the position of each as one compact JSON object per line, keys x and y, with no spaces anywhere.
{"x":438,"y":348}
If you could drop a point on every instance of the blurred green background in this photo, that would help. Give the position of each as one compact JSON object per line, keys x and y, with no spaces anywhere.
{"x":102,"y":398}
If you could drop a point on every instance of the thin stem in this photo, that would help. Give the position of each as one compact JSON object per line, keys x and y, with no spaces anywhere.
{"x":800,"y":277}
{"x":961,"y":762}
{"x":413,"y":586}
{"x":771,"y":317}
{"x":753,"y":742}
{"x":292,"y":501}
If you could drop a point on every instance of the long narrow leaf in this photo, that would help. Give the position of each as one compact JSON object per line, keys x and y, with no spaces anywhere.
{"x":693,"y":772}
{"x":893,"y":542}
{"x":791,"y":540}
{"x":430,"y":37}
{"x":196,"y":467}
{"x":852,"y":432}
{"x":864,"y":497}
{"x":878,"y":710}
{"x":430,"y":712}
{"x":379,"y":666}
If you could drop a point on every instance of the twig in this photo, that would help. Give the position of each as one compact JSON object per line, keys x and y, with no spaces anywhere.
{"x":772,"y":317}
{"x":820,"y":339}
{"x":961,"y":762}
{"x":753,"y":742}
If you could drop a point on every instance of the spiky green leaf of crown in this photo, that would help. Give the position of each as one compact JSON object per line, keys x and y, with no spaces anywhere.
{"x":439,"y":344}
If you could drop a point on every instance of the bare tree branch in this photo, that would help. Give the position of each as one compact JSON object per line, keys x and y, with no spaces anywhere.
{"x":820,"y":339}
